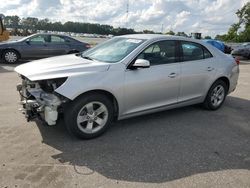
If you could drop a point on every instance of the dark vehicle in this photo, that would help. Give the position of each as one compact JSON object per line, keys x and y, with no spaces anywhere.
{"x":228,"y":49}
{"x":40,"y":46}
{"x":242,"y":51}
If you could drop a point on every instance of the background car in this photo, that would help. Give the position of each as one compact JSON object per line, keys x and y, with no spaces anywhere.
{"x":218,"y":44}
{"x":242,"y":50}
{"x":228,"y":49}
{"x":40,"y":46}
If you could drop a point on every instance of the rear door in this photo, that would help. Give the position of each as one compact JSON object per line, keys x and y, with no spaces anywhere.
{"x":58,"y":45}
{"x":197,"y":71}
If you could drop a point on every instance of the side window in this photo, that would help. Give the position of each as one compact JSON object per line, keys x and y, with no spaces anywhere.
{"x":162,"y":52}
{"x":207,"y":54}
{"x":40,"y":39}
{"x":152,"y":49}
{"x":192,"y":51}
{"x":57,"y":39}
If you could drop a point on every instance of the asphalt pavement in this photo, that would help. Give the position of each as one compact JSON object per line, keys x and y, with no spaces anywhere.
{"x":185,"y":147}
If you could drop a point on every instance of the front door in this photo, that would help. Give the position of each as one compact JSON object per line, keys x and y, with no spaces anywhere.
{"x":36,"y":47}
{"x":156,"y":86}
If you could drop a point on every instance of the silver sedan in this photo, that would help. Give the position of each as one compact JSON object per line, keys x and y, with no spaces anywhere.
{"x":126,"y":76}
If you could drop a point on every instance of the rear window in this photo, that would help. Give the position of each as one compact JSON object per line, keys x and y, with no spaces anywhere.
{"x":57,"y":39}
{"x":192,"y":51}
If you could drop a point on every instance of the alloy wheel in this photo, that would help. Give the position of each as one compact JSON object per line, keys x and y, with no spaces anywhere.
{"x":217,"y":95}
{"x":10,"y":57}
{"x":92,"y":117}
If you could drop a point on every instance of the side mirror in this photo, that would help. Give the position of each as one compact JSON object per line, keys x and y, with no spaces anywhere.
{"x":141,"y":63}
{"x":27,"y":42}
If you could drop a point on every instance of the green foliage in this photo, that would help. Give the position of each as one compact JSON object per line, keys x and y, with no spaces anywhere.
{"x":244,"y":36}
{"x":221,"y":37}
{"x":170,"y":32}
{"x":31,"y":25}
{"x":183,"y":34}
{"x":233,"y":34}
{"x":12,"y":21}
{"x":148,"y":32}
{"x":207,"y":37}
{"x":244,"y":15}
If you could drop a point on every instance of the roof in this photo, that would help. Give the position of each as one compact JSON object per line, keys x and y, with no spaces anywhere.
{"x":50,"y":34}
{"x":153,"y":36}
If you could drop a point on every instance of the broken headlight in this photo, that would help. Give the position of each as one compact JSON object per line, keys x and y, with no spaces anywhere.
{"x":51,"y":84}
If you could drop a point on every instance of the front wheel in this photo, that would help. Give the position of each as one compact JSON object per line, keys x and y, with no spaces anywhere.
{"x":10,"y":56}
{"x":89,"y":116}
{"x":216,"y":95}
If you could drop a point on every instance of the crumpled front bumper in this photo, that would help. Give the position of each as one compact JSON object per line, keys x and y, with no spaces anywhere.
{"x":37,"y":103}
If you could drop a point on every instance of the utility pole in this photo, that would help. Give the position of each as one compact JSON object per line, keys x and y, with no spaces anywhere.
{"x":127,"y":12}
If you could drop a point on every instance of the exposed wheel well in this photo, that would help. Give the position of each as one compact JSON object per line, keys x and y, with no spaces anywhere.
{"x":226,"y":80}
{"x":109,"y":95}
{"x":10,"y":49}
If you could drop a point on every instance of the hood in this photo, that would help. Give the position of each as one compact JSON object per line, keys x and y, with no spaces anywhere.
{"x":9,"y":42}
{"x":60,"y":66}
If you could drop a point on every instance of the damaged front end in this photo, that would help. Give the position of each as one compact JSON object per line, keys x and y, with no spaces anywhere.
{"x":39,"y":99}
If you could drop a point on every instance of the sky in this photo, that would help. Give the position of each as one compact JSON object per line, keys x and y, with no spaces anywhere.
{"x":210,"y":17}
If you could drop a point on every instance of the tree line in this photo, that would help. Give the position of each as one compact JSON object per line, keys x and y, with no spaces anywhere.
{"x":25,"y":26}
{"x":29,"y":25}
{"x":240,"y":31}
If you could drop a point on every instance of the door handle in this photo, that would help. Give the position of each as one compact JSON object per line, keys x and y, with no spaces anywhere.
{"x":172,"y":75}
{"x":210,"y":68}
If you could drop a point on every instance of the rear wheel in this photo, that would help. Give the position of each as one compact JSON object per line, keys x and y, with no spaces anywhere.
{"x":216,"y":95}
{"x":10,"y":56}
{"x":89,"y":116}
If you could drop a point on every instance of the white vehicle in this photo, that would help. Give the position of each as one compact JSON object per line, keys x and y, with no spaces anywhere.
{"x":123,"y":77}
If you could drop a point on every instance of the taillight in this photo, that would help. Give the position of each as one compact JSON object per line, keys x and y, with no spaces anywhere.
{"x":237,"y":61}
{"x":87,"y":46}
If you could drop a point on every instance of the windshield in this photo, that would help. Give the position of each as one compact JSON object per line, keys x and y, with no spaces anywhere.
{"x":25,"y":38}
{"x":113,"y":50}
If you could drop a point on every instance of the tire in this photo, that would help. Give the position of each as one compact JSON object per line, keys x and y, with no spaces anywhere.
{"x":73,"y":52}
{"x":214,"y":95}
{"x":86,"y":122}
{"x":10,"y":56}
